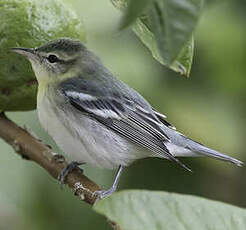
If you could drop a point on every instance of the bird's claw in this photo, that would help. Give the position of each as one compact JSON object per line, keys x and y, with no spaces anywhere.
{"x":68,"y":169}
{"x":101,"y":194}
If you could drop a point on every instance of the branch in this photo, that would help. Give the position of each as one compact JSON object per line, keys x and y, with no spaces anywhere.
{"x":29,"y":147}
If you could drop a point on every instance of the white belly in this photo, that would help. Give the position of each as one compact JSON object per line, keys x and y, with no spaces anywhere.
{"x":85,"y":140}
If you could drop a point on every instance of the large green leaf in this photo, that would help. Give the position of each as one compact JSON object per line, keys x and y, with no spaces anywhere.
{"x":182,"y":64}
{"x":145,"y":210}
{"x":166,"y":29}
{"x":172,"y":22}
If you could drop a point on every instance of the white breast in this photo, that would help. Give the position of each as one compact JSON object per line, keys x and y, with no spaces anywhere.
{"x":84,"y":139}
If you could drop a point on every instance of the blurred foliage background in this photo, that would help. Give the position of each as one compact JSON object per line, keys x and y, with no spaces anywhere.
{"x":209,"y":107}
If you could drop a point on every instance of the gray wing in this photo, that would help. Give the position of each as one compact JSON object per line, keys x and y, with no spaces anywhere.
{"x":162,"y":118}
{"x":126,"y":117}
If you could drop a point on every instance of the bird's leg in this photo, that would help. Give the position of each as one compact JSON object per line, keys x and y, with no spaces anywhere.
{"x":69,"y":168}
{"x":104,"y":193}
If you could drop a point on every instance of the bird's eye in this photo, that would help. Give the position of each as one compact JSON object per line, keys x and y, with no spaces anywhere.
{"x":52,"y":58}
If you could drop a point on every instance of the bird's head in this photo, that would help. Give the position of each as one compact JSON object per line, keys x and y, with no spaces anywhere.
{"x":55,"y":60}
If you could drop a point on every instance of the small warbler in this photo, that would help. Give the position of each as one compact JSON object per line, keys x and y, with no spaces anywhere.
{"x":98,"y":119}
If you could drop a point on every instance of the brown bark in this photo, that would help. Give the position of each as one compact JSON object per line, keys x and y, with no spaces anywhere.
{"x":33,"y":149}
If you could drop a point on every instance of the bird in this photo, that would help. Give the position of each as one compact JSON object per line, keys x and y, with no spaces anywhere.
{"x":97,"y":119}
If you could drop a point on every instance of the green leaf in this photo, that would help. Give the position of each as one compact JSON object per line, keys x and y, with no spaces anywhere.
{"x":182,"y":64}
{"x":145,"y":210}
{"x":166,"y":29}
{"x":134,"y":9}
{"x":172,"y":22}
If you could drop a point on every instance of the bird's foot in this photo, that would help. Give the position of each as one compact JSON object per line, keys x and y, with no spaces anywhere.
{"x":68,"y":169}
{"x":104,"y":193}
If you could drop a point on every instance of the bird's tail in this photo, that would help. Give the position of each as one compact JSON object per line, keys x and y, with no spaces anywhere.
{"x":205,"y":151}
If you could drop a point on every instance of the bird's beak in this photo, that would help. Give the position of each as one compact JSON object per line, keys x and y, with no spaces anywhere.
{"x":27,"y":52}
